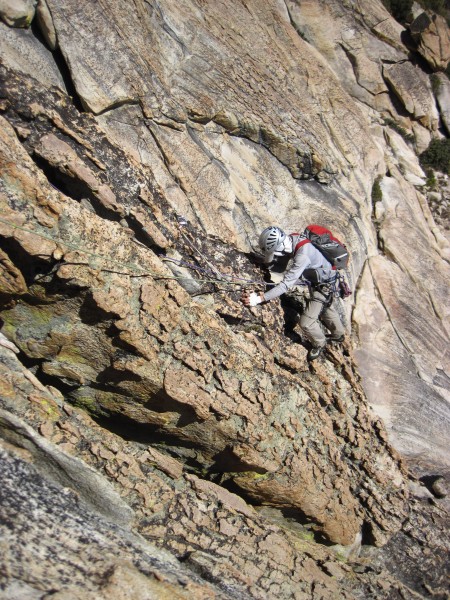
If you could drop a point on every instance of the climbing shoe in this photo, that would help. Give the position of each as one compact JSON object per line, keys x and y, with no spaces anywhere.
{"x":334,"y":338}
{"x":315,"y":353}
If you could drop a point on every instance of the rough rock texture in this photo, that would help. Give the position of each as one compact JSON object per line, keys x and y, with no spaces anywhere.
{"x":413,"y":89}
{"x":15,"y":44}
{"x":131,"y":195}
{"x":122,"y":345}
{"x":190,"y":70}
{"x":443,"y":98}
{"x":430,"y":32}
{"x":215,"y":535}
{"x":17,"y":13}
{"x":421,"y":550}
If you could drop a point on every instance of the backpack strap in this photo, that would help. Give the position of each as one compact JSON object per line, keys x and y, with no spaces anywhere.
{"x":300,"y":243}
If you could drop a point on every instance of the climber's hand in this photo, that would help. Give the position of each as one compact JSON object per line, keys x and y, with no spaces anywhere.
{"x":251,"y":298}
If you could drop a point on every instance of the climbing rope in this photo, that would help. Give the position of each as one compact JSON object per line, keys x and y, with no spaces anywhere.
{"x":213,"y":272}
{"x":220,"y":278}
{"x":222,"y":275}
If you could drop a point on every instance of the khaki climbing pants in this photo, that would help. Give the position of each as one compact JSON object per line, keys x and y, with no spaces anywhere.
{"x":321,"y":307}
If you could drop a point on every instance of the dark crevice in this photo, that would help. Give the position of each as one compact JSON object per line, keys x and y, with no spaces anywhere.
{"x":296,"y":515}
{"x":429,"y":481}
{"x":32,"y":364}
{"x":68,"y":81}
{"x":61,"y":384}
{"x":226,"y":461}
{"x":144,"y":433}
{"x":130,"y":430}
{"x":59,"y":289}
{"x":62,"y":66}
{"x":70,"y":186}
{"x":30,"y":269}
{"x":111,"y":376}
{"x":368,"y":539}
{"x":143,"y":236}
{"x":91,"y":314}
{"x":74,"y":188}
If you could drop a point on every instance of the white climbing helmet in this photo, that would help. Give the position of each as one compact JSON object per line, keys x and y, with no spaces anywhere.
{"x":270,"y":239}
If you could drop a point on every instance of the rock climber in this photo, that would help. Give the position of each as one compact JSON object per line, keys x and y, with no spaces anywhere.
{"x":309,"y":263}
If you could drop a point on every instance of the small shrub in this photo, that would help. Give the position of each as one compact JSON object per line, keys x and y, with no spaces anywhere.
{"x":377,"y":194}
{"x":435,"y":83}
{"x":437,"y":156}
{"x":399,"y":9}
{"x":431,"y":179}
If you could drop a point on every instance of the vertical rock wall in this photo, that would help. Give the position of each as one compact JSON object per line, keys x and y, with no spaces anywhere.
{"x":118,"y":124}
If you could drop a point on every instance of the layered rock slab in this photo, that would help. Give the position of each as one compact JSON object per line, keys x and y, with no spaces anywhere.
{"x":186,"y":68}
{"x":224,"y":548}
{"x":402,"y":321}
{"x":430,"y":32}
{"x":82,"y":549}
{"x":101,"y":323}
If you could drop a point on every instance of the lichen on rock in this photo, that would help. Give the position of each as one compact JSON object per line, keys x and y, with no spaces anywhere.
{"x":142,"y":151}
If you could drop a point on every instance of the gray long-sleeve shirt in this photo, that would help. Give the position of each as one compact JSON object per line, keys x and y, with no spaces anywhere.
{"x":306,"y":257}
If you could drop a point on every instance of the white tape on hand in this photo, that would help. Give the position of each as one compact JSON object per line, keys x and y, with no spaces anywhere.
{"x":254,"y":299}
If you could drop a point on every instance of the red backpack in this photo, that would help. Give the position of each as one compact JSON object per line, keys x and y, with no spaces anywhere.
{"x":333,"y":250}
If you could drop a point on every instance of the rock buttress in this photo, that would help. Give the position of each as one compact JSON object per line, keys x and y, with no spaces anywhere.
{"x":103,"y":319}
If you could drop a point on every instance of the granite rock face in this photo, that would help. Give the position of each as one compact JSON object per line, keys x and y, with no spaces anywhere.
{"x":17,"y":13}
{"x":430,"y":31}
{"x":413,"y":89}
{"x":142,"y":150}
{"x":182,"y":76}
{"x":187,"y":538}
{"x":443,"y":98}
{"x":123,"y":343}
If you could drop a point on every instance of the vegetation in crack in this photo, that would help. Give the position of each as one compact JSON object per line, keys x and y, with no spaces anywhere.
{"x":400,"y":9}
{"x":408,"y":137}
{"x":437,"y":156}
